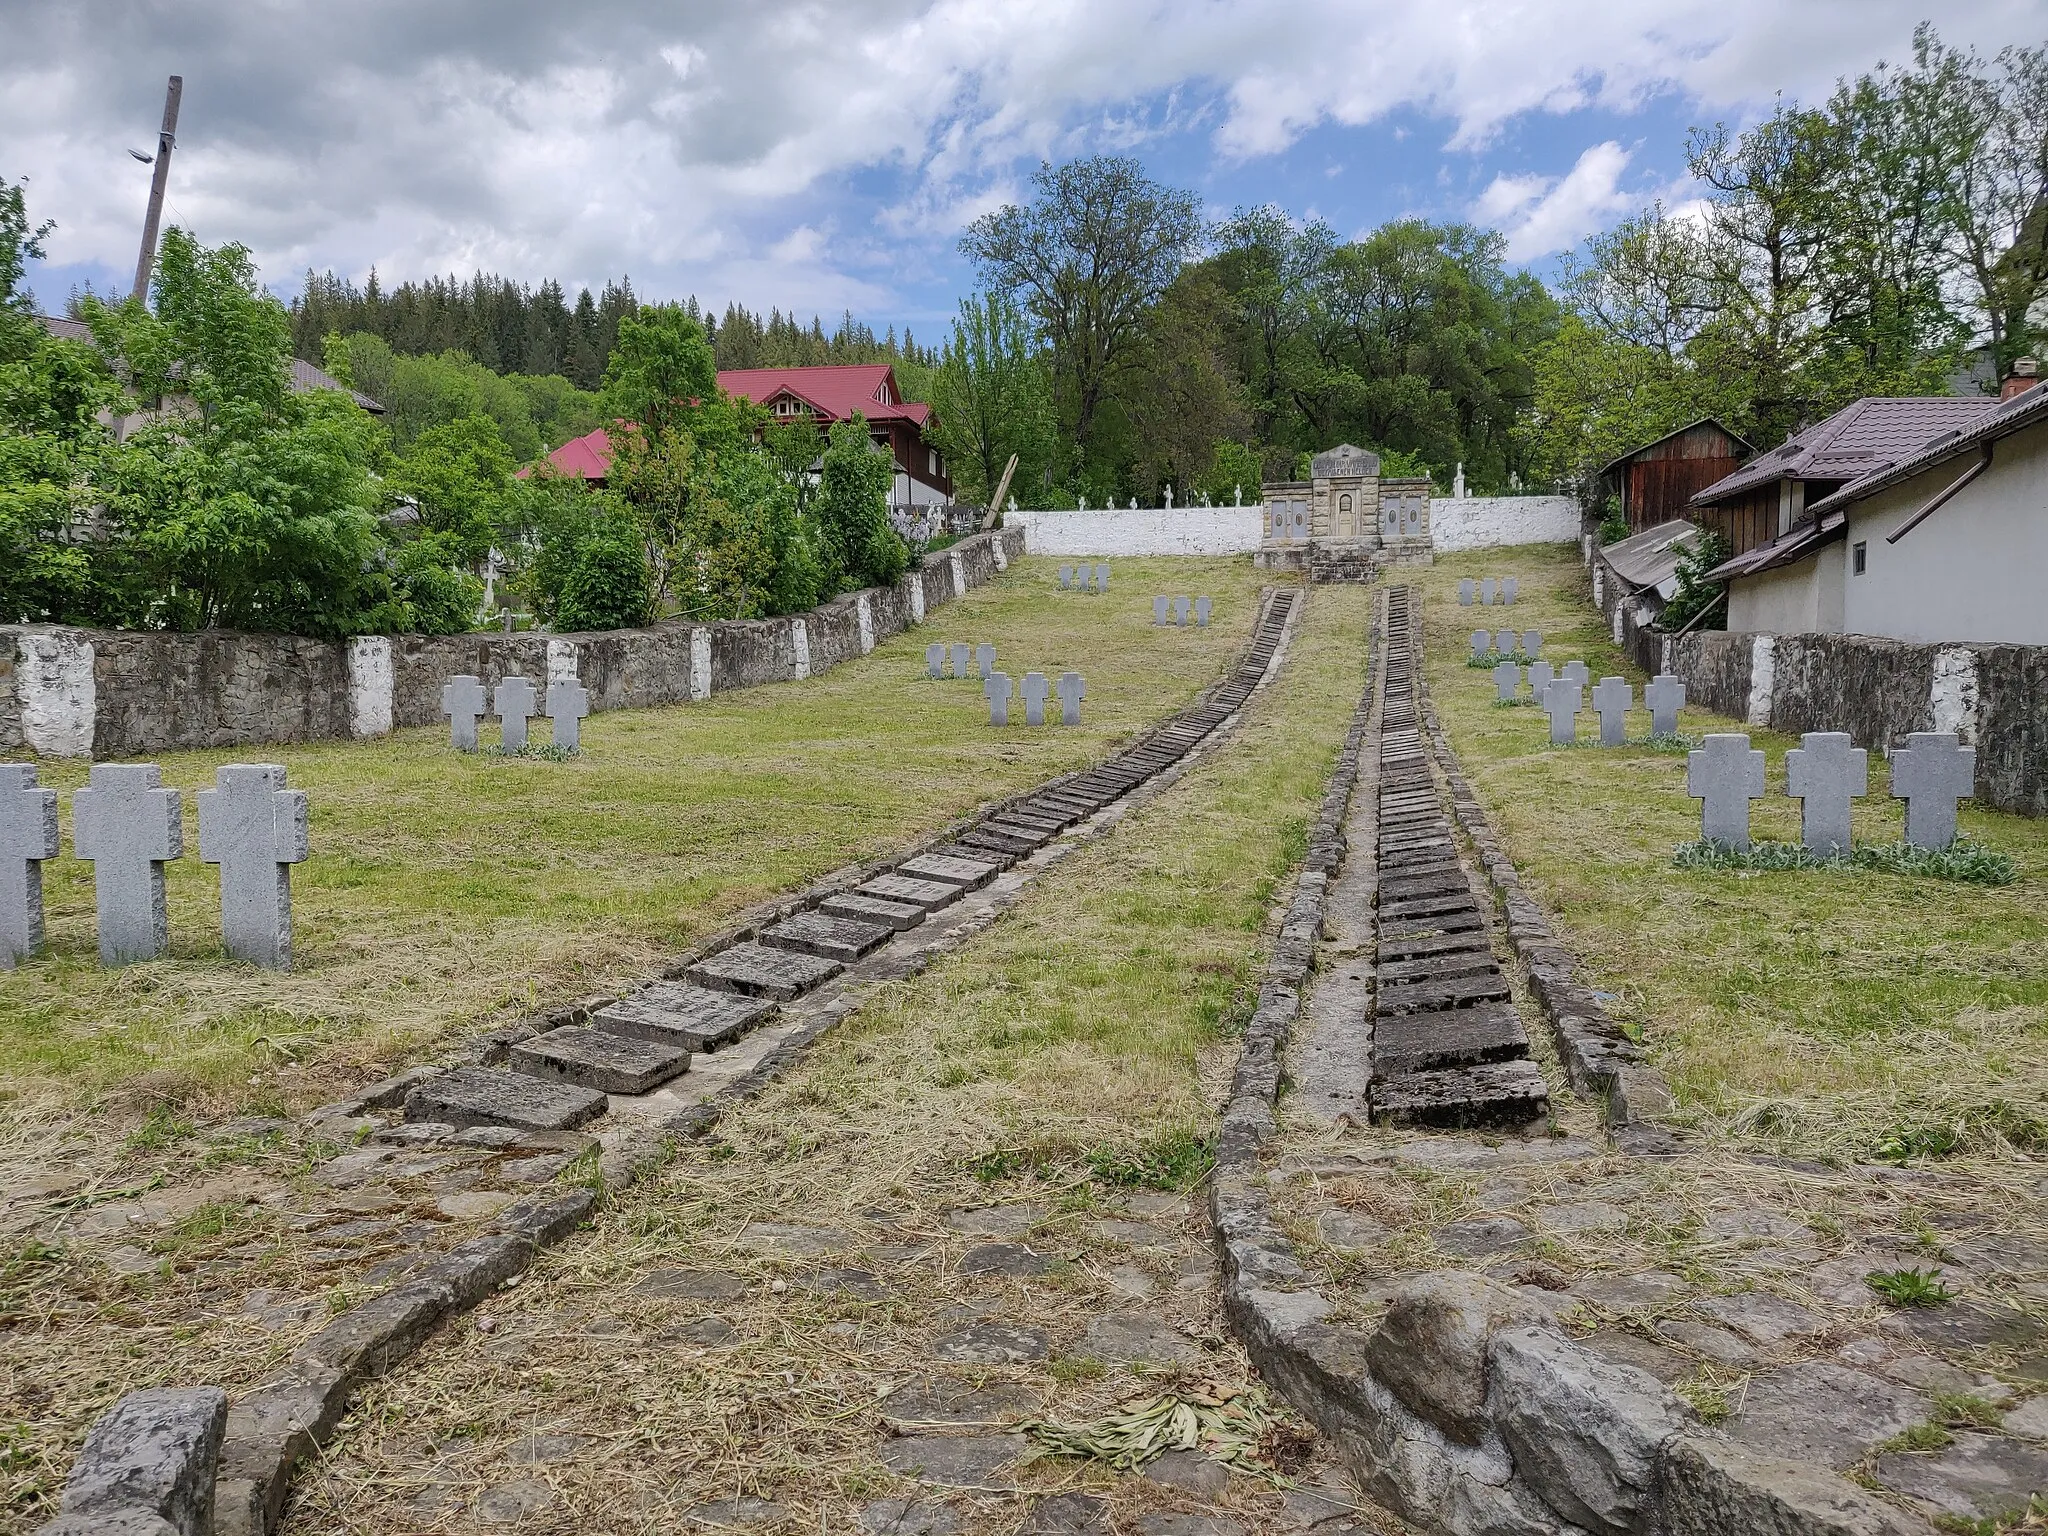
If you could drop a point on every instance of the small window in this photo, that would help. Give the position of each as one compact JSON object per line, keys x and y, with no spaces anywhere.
{"x":1859,"y":557}
{"x":932,"y":461}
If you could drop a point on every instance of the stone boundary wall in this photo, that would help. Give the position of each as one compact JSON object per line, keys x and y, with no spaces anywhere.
{"x":122,"y":693}
{"x":1467,"y":1410}
{"x":1995,"y":697}
{"x":1488,"y":522}
{"x":1143,"y":530}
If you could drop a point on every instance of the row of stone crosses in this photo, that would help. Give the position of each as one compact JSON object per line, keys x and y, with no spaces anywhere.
{"x":128,"y":827}
{"x":1486,"y":590}
{"x":512,"y":701}
{"x":1084,"y":578}
{"x":1825,"y":772}
{"x":965,"y":661}
{"x":1180,"y":607}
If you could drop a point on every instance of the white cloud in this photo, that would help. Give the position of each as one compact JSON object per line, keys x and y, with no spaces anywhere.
{"x":1542,"y":214}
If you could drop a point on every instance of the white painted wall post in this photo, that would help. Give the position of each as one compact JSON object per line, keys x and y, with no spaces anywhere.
{"x":561,"y":661}
{"x":59,"y":700}
{"x":800,"y":641}
{"x":700,"y":664}
{"x":1953,"y":699}
{"x":1763,"y":679}
{"x":916,"y":579}
{"x":866,"y":615}
{"x":959,"y":574}
{"x":372,"y":686}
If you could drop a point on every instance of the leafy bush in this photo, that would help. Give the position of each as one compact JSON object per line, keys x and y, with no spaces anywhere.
{"x":1613,"y":526}
{"x":857,"y":545}
{"x":1695,"y":593}
{"x":605,"y":585}
{"x":1965,"y":861}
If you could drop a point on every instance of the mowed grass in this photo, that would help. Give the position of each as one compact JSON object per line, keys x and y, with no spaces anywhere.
{"x":1832,"y":1010}
{"x":447,"y":892}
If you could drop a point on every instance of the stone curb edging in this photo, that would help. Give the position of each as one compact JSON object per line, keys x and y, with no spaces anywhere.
{"x":268,"y":1431}
{"x":1469,"y":1411}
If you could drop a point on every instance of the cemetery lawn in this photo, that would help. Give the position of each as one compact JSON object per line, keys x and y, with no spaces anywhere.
{"x":1855,"y":1014}
{"x":1062,"y":1067}
{"x":448,"y":893}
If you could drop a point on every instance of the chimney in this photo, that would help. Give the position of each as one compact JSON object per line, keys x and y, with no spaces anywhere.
{"x":2024,"y":376}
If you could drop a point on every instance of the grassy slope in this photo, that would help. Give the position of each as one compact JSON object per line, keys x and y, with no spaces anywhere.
{"x":446,"y":890}
{"x":1861,"y":1001}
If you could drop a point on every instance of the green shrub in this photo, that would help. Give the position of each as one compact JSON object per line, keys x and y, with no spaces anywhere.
{"x":605,"y":585}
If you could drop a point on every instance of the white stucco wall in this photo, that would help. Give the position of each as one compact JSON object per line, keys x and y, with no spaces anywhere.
{"x":1141,"y":531}
{"x":1973,"y":571}
{"x":1781,"y":602}
{"x":1485,"y":522}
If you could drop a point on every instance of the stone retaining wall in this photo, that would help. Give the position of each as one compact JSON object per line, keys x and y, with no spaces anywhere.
{"x":68,"y":692}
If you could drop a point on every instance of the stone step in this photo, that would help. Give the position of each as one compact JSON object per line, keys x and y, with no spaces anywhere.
{"x":1459,"y":920}
{"x":1442,"y":992}
{"x":1457,"y":1037}
{"x":482,"y":1096}
{"x":755,"y":970}
{"x":928,"y":894}
{"x":1501,"y":1093}
{"x":1030,"y":829}
{"x":1001,"y":858}
{"x":989,"y":840}
{"x":1427,"y":906}
{"x":691,"y":1018}
{"x":1022,"y":818}
{"x":596,"y":1058}
{"x":828,"y":936}
{"x":1471,"y":961}
{"x":1399,"y":887}
{"x":968,"y":874}
{"x":1413,"y":946}
{"x":900,"y":915}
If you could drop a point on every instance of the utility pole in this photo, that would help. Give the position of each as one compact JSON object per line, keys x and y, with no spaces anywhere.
{"x":165,"y":139}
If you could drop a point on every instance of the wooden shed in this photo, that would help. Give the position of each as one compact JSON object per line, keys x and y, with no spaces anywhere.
{"x":1657,"y":481}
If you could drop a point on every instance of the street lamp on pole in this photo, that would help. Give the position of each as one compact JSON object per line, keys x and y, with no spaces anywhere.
{"x":166,"y":139}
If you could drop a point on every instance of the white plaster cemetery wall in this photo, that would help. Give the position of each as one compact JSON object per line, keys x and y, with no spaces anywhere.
{"x":1141,"y":531}
{"x":1487,"y":522}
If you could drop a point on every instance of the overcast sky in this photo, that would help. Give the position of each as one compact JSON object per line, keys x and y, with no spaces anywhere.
{"x":826,"y":156}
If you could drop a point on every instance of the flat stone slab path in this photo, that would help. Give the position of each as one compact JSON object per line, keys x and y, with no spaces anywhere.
{"x":596,"y":1058}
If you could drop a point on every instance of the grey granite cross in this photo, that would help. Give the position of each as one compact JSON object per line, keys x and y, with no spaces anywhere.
{"x":1066,"y":577}
{"x":255,"y":830}
{"x":1180,"y":611}
{"x":1665,"y":697}
{"x":1931,"y":773}
{"x":1612,"y":699}
{"x":1159,"y":607}
{"x":1540,"y":675}
{"x":1465,"y":590}
{"x":1724,"y":775}
{"x":1482,"y":642}
{"x":1486,"y":592}
{"x":126,"y":824}
{"x":935,"y":659}
{"x":512,"y":702}
{"x":1575,"y":672}
{"x":28,"y":835}
{"x":1532,"y":642}
{"x":984,"y":659}
{"x":996,"y":689}
{"x":1824,"y":773}
{"x":1504,"y":642}
{"x":1072,"y":691}
{"x":1509,"y":586}
{"x":568,"y":703}
{"x":1507,"y":681}
{"x":462,"y":701}
{"x":963,"y":660}
{"x":1561,"y":703}
{"x":1034,"y":698}
{"x":1102,"y":577}
{"x":1202,"y":606}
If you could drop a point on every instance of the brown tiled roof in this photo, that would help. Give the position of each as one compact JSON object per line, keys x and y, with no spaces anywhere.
{"x":304,"y":375}
{"x":1861,"y":439}
{"x":2003,"y":419}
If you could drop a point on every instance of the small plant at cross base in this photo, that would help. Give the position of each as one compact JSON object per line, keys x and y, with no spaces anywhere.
{"x":1910,"y":1287}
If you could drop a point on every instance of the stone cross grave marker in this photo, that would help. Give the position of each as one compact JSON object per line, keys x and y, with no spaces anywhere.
{"x":963,"y":659}
{"x":1504,"y":642}
{"x":1034,"y":698}
{"x":1159,"y":607}
{"x":1507,"y":681}
{"x":1665,"y":696}
{"x":1561,"y":703}
{"x":1931,"y":773}
{"x":1102,"y":577}
{"x":1201,"y":613}
{"x":935,"y":659}
{"x":1575,"y":672}
{"x":568,"y":704}
{"x":1486,"y":592}
{"x":1540,"y":675}
{"x":462,"y":701}
{"x":984,"y":659}
{"x":996,"y":689}
{"x":1072,"y":691}
{"x":1612,"y":699}
{"x":1509,"y":587}
{"x":1482,"y":642}
{"x":28,"y":835}
{"x":1724,"y":775}
{"x":1466,"y":589}
{"x":125,"y":823}
{"x":255,"y":830}
{"x":1180,"y":612}
{"x":1532,"y":642}
{"x":1824,"y":773}
{"x":512,"y":702}
{"x":1066,"y":577}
